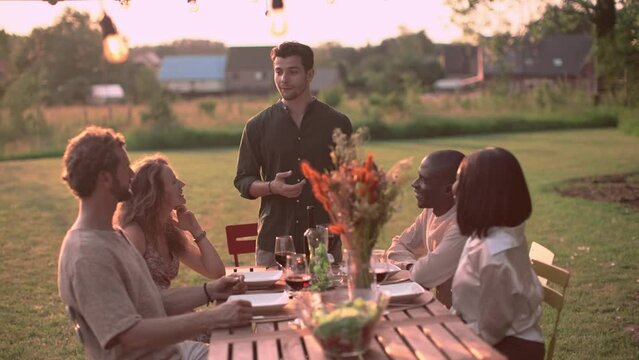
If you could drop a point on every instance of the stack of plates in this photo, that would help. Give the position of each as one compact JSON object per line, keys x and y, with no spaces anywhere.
{"x":261,"y":279}
{"x":404,"y":291}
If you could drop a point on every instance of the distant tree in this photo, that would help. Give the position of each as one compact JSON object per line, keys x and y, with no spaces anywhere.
{"x":145,"y":85}
{"x":23,"y":99}
{"x":4,"y":45}
{"x":187,"y":47}
{"x":386,"y":67}
{"x":68,"y":54}
{"x":159,"y":114}
{"x":560,"y":19}
{"x":570,"y":16}
{"x":332,"y":96}
{"x":208,"y":107}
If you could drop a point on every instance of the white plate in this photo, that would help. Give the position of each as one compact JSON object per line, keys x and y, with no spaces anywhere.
{"x":256,"y":279}
{"x":403,"y":291}
{"x":264,"y":302}
{"x":392,"y":269}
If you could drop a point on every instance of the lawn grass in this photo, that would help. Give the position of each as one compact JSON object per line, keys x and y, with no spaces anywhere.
{"x":597,"y":241}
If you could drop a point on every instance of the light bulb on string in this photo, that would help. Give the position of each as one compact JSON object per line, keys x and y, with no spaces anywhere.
{"x":279,"y":25}
{"x":125,"y":3}
{"x":193,"y":6}
{"x":114,"y":46}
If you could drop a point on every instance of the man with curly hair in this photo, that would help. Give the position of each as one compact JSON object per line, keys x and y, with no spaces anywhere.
{"x":103,"y":280}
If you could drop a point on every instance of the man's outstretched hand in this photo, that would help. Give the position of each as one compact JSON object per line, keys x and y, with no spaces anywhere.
{"x":280,"y":187}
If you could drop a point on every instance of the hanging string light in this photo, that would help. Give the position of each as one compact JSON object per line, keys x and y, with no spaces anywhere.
{"x":193,"y":6}
{"x":114,"y":46}
{"x":279,"y":26}
{"x":125,"y":3}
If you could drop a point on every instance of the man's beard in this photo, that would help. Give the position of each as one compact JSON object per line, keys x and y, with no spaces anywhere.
{"x":294,"y":95}
{"x":120,"y":192}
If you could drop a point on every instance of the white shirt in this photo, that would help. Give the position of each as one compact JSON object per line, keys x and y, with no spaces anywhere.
{"x":495,"y":289}
{"x":433,"y":244}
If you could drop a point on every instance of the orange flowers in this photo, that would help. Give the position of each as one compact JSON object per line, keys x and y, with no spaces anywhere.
{"x":319,"y":184}
{"x":358,"y":196}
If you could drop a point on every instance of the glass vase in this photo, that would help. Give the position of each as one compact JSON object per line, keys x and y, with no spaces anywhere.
{"x":358,"y":265}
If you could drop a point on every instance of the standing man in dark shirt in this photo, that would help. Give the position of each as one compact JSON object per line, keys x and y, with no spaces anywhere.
{"x":274,"y":143}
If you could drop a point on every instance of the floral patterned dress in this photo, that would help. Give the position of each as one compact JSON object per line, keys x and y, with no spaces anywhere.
{"x":162,"y":272}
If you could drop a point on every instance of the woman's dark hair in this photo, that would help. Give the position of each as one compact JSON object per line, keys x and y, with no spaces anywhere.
{"x":491,"y":191}
{"x":291,"y":48}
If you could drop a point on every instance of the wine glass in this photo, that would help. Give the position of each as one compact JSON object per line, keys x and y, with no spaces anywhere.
{"x":283,"y":247}
{"x":296,"y":272}
{"x":379,"y":264}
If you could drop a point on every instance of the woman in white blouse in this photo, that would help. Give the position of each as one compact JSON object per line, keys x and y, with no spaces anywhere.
{"x":495,"y":290}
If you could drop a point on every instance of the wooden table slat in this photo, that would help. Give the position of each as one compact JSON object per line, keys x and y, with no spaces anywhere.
{"x":242,"y":350}
{"x":423,"y":347}
{"x":393,"y":344}
{"x":313,"y":348}
{"x":478,"y":347}
{"x":442,"y":338}
{"x":437,"y":308}
{"x":375,"y":351}
{"x":292,"y":347}
{"x":219,"y":349}
{"x":423,"y":332}
{"x":266,"y":348}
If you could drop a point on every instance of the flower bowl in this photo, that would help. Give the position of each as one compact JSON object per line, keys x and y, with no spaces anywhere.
{"x":342,"y":321}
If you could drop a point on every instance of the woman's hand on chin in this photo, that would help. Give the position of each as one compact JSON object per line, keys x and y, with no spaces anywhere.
{"x":187,"y":221}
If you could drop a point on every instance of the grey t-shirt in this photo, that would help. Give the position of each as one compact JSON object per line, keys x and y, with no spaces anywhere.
{"x":106,"y":281}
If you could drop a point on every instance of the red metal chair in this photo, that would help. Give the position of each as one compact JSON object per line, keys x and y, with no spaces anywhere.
{"x":241,"y":231}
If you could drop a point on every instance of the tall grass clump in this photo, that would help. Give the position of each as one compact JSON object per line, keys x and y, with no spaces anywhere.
{"x":180,"y":137}
{"x":427,"y":126}
{"x":629,"y":121}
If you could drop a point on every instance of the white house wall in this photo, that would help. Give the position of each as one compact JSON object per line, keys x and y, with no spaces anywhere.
{"x":205,"y":86}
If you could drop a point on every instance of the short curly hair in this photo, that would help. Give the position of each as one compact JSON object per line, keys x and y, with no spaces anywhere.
{"x":91,"y":151}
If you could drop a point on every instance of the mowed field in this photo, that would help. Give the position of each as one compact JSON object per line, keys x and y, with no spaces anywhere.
{"x":596,"y":241}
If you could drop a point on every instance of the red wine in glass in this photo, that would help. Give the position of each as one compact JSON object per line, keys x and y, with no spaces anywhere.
{"x":280,"y":257}
{"x":298,"y":282}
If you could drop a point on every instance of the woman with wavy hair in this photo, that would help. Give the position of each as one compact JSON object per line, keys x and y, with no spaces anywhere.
{"x":495,"y":289}
{"x":156,"y":220}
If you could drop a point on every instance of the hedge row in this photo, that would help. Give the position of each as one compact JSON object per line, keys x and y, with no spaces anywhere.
{"x":421,"y":126}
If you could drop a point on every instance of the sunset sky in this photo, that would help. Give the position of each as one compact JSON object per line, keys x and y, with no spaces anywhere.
{"x":242,"y":22}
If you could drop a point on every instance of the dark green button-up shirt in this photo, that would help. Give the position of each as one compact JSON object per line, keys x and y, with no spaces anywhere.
{"x":272,"y":143}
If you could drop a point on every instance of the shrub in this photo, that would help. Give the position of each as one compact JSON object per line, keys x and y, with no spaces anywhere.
{"x":159,"y":114}
{"x":208,"y":107}
{"x":332,"y":96}
{"x":180,"y":137}
{"x":629,"y":122}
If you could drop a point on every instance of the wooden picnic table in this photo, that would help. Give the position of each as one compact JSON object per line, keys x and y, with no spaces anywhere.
{"x":417,"y":330}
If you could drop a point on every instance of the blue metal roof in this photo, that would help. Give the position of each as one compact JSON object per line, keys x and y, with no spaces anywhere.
{"x":193,"y":67}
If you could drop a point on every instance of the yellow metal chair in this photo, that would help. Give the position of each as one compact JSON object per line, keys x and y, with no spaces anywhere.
{"x":540,"y":253}
{"x":554,"y":297}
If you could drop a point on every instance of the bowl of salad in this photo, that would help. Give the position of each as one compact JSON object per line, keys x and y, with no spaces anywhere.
{"x":342,"y":320}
